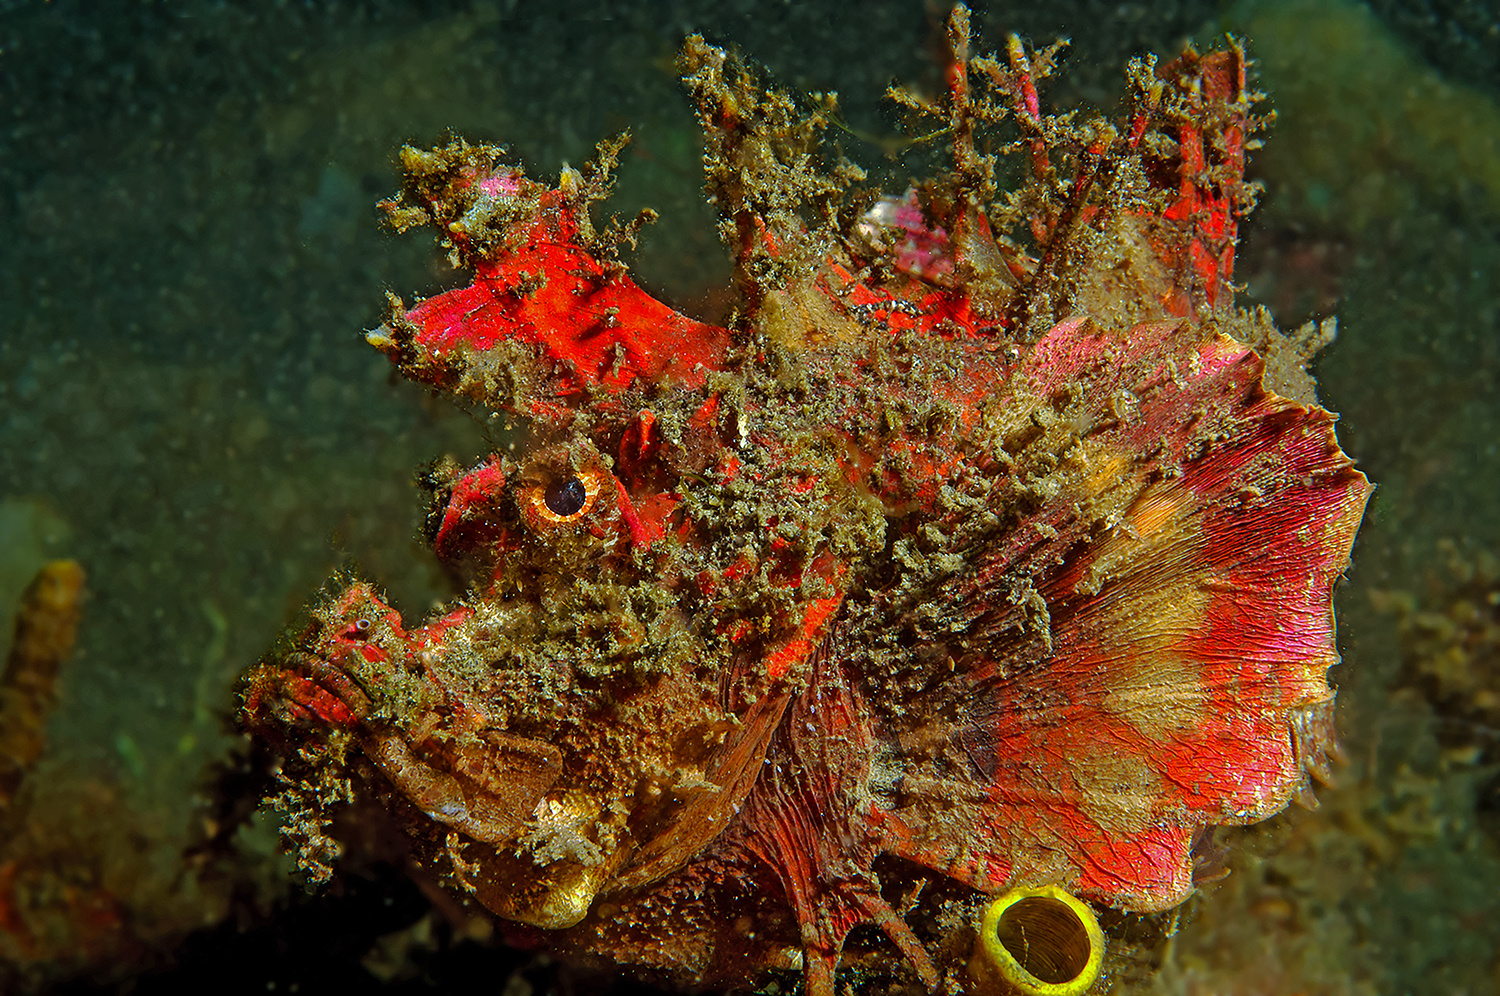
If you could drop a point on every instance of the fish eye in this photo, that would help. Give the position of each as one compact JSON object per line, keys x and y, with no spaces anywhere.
{"x":559,"y":500}
{"x":565,"y":498}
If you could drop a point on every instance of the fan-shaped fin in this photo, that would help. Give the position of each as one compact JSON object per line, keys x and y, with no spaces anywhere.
{"x":1187,"y":639}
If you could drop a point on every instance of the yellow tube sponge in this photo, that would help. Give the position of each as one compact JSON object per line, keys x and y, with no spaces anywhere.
{"x":1037,"y":942}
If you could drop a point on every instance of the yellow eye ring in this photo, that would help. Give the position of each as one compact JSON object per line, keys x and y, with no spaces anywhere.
{"x":562,"y":499}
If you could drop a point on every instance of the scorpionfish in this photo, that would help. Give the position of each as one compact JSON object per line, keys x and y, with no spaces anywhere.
{"x":987,"y":541}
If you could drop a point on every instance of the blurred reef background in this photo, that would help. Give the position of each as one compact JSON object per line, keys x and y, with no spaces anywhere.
{"x":191,"y":252}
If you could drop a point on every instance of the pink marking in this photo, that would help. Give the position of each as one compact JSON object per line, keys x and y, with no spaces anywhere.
{"x":919,"y":248}
{"x":505,"y":182}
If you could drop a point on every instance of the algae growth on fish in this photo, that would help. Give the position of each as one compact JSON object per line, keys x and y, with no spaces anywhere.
{"x":987,"y":550}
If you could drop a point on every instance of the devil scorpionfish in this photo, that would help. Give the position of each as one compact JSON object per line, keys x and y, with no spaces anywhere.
{"x":986,"y":543}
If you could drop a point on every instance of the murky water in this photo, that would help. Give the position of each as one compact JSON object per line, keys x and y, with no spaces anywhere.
{"x":186,"y":406}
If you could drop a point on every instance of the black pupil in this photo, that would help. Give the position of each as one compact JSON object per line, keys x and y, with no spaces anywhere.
{"x":565,"y":497}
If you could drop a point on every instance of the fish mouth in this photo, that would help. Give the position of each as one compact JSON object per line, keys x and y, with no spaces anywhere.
{"x":301,"y":693}
{"x":355,"y":679}
{"x":533,"y":825}
{"x":329,"y":680}
{"x":527,"y":847}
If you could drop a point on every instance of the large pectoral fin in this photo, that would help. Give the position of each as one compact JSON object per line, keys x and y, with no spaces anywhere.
{"x":1182,"y":683}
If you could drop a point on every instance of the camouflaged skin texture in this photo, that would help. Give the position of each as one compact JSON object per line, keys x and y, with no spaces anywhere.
{"x":977,"y":547}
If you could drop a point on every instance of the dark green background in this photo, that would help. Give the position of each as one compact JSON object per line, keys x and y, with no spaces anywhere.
{"x":190,"y":252}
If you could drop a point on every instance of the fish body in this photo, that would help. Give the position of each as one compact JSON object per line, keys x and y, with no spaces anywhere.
{"x":967,"y":558}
